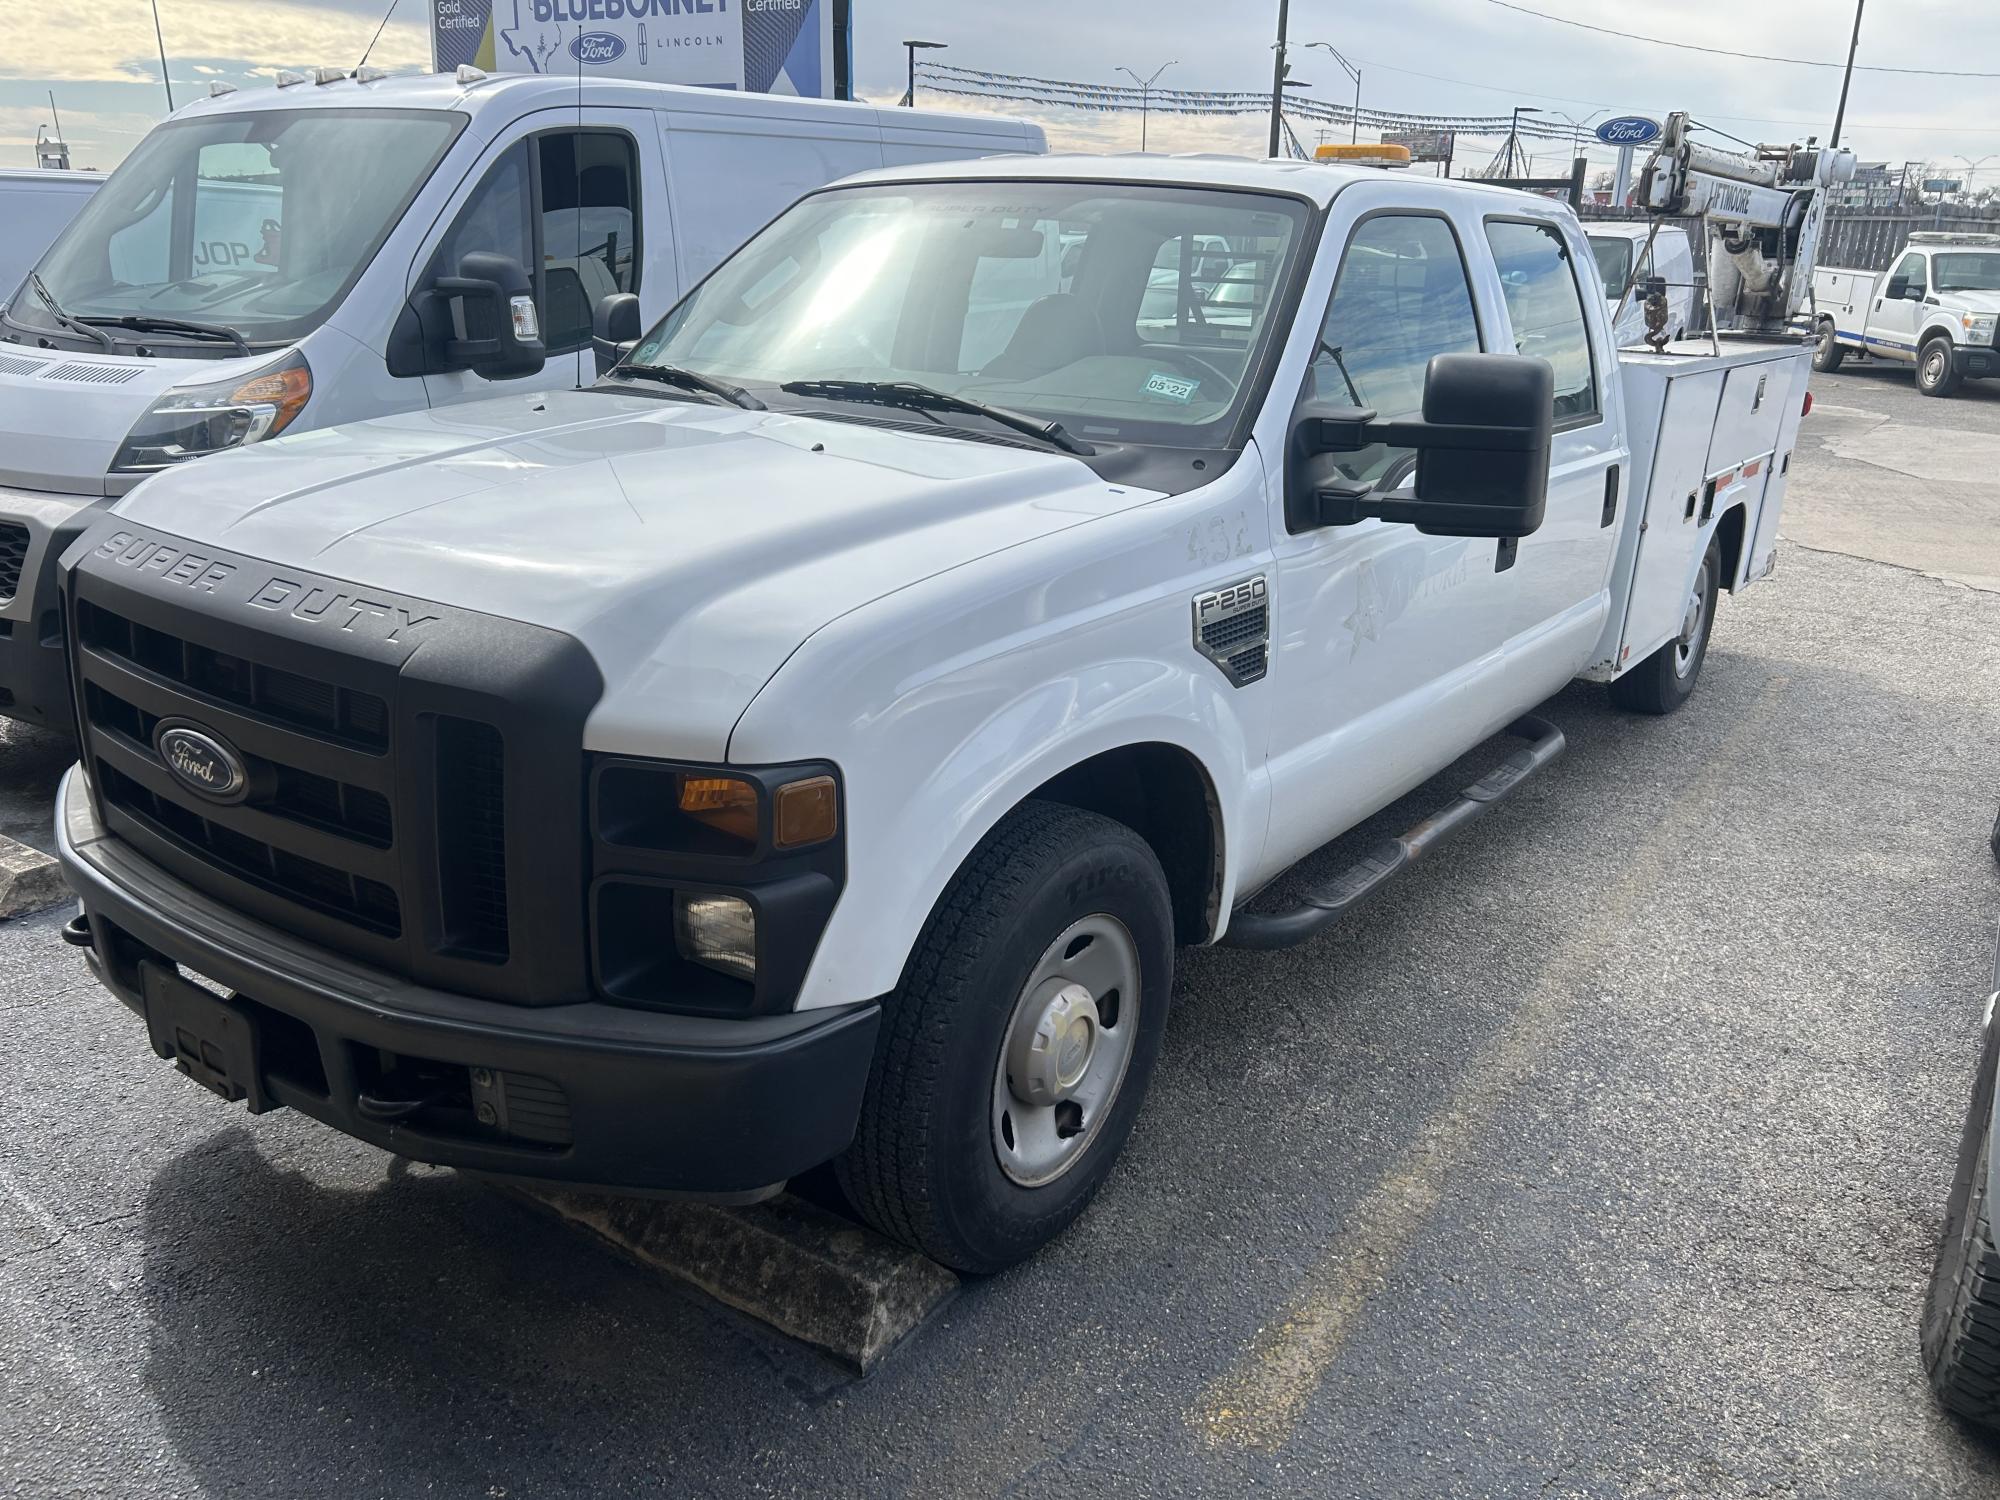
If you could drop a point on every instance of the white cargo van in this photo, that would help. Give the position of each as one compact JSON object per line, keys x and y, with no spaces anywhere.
{"x":36,"y":205}
{"x":1616,"y":247}
{"x":342,"y":248}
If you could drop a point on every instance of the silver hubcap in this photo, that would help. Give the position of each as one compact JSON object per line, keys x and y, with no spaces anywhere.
{"x":1933,"y":367}
{"x":1067,"y":1046}
{"x":1688,"y":643}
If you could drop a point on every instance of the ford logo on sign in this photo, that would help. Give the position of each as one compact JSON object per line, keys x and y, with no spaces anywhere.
{"x":1629,"y":130}
{"x":597,"y":48}
{"x":201,"y":762}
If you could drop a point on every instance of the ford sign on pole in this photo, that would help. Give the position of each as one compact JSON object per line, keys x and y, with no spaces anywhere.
{"x":763,"y":46}
{"x":1626,"y":132}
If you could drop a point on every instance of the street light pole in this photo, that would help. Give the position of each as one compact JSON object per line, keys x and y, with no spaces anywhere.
{"x":910,"y":99}
{"x":1146,"y":93}
{"x":1513,"y":149}
{"x":1279,"y":67}
{"x":1352,"y":72}
{"x":1847,"y":77}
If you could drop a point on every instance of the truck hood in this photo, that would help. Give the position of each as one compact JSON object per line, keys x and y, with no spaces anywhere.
{"x":1975,"y":302}
{"x":64,"y":415}
{"x":690,"y":547}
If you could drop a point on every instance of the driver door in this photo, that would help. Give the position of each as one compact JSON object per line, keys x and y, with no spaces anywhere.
{"x":1388,"y":642}
{"x":1892,"y":321}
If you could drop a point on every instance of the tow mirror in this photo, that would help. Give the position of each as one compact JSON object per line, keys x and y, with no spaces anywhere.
{"x":497,"y":332}
{"x":614,"y":328}
{"x":1482,"y":452}
{"x":1897,"y":289}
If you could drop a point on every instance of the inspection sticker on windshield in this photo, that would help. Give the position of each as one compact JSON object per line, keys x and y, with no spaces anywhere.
{"x":1173,"y":387}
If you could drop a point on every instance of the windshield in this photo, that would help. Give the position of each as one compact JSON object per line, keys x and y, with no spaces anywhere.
{"x":1614,"y":262}
{"x":1072,"y":302}
{"x":253,"y":222}
{"x":1966,"y":272}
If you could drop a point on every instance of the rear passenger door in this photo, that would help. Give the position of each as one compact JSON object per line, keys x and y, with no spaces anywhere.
{"x":1560,"y":575}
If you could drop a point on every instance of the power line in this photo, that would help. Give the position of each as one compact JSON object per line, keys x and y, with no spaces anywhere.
{"x":1802,"y":62}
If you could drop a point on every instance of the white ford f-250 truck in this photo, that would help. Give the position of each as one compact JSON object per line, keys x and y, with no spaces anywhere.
{"x":813,"y":740}
{"x":1935,"y":311}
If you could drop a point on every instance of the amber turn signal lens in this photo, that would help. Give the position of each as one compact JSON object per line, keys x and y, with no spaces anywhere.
{"x":808,"y":813}
{"x":723,"y":803}
{"x":286,"y":389}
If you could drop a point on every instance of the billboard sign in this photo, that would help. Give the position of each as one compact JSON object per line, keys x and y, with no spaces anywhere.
{"x":1629,"y":130}
{"x":762,"y":46}
{"x":1423,"y":145}
{"x":1942,"y":185}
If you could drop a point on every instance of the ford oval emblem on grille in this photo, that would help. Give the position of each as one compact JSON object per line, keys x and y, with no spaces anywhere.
{"x":201,"y":762}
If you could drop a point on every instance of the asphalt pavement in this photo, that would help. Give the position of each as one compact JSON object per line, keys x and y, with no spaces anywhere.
{"x":1603,"y":1156}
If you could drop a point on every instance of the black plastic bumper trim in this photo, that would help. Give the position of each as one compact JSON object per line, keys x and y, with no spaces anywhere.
{"x":658,"y":1102}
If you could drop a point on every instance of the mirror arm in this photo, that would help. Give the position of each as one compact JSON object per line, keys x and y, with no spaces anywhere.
{"x":1343,"y":505}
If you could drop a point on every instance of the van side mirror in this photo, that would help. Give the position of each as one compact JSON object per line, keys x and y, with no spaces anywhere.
{"x":1482,"y":452}
{"x":614,"y":328}
{"x":502,"y":338}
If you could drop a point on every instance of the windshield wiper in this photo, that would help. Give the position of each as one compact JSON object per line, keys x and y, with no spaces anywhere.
{"x":147,"y":323}
{"x":75,"y":325}
{"x":693,"y":380}
{"x":922,"y":398}
{"x":1341,"y":365}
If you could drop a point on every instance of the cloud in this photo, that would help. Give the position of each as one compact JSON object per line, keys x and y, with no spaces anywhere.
{"x":48,"y":44}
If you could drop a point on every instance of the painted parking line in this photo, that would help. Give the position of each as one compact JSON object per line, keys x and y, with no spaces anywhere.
{"x":1257,"y":1402}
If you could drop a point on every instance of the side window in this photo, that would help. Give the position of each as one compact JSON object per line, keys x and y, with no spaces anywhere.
{"x":1546,"y":309}
{"x":589,"y":229}
{"x":1401,"y":297}
{"x":1914,"y":269}
{"x":494,"y":218}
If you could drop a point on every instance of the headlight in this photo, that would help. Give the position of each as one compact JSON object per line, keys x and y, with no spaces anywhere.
{"x":1978,"y":327}
{"x":698,"y":812}
{"x":192,"y":421}
{"x":718,"y":931}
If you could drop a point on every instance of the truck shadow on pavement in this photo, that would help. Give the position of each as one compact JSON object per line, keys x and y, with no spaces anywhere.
{"x":427,"y":1331}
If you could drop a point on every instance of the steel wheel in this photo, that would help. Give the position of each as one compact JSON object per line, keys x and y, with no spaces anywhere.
{"x":1935,"y":360}
{"x":1694,"y":625}
{"x":1066,"y":1050}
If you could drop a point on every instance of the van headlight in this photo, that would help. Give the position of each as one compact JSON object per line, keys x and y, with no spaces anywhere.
{"x":1978,"y":327}
{"x":193,"y":421}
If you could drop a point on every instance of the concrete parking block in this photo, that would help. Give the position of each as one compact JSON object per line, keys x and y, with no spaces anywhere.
{"x":810,"y":1274}
{"x":29,"y":879}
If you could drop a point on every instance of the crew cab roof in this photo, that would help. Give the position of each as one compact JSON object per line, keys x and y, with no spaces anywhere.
{"x":1317,"y":181}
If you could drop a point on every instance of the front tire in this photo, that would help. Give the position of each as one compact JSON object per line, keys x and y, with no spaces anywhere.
{"x":1665,"y":680}
{"x":1961,"y":1323}
{"x":1936,"y":374}
{"x":1827,"y":353}
{"x":1016,"y":1050}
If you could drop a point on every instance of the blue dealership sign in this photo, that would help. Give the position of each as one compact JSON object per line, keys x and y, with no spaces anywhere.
{"x":1629,"y":130}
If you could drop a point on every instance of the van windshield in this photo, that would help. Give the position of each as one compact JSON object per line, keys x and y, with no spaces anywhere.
{"x":251,"y":222}
{"x":1088,"y":303}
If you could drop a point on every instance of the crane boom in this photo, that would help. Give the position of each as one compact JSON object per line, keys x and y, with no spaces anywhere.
{"x":1762,"y":211}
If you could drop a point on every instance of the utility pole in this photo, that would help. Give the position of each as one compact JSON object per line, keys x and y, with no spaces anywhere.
{"x":1840,"y":114}
{"x":158,"y":37}
{"x":1512,"y":152}
{"x":1279,"y":68}
{"x":910,"y":99}
{"x":1146,"y":93}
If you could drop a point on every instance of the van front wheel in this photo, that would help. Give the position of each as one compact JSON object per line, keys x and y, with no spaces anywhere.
{"x":1015,"y":1052}
{"x":1827,"y":353}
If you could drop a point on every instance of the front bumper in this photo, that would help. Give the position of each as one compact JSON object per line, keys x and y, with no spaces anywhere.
{"x":599,"y":1095}
{"x":34,"y":681}
{"x":1975,"y":361}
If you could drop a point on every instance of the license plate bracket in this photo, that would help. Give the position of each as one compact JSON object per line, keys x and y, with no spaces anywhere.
{"x":212,"y":1040}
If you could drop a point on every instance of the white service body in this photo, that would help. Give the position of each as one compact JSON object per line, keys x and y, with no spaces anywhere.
{"x":706,"y":168}
{"x":36,"y":205}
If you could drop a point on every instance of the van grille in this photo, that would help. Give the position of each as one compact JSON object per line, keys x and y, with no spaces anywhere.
{"x":13,"y":553}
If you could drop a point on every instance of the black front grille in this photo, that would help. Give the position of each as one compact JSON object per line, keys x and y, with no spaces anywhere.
{"x":13,"y":553}
{"x":289,"y":698}
{"x":367,"y":904}
{"x":472,"y":838}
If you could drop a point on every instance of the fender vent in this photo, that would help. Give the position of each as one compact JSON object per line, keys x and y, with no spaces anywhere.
{"x":1232,"y":628}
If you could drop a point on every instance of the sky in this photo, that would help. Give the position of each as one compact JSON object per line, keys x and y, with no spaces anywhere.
{"x":1419,"y":56}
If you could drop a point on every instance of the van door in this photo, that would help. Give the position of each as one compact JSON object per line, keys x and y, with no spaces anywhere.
{"x":1560,"y":592}
{"x":582,"y":206}
{"x":1389,"y":643}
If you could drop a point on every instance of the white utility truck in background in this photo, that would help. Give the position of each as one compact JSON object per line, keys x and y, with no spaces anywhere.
{"x":1935,"y":310}
{"x":36,"y":205}
{"x":343,"y":247}
{"x":1629,"y":256}
{"x":813,"y":740}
